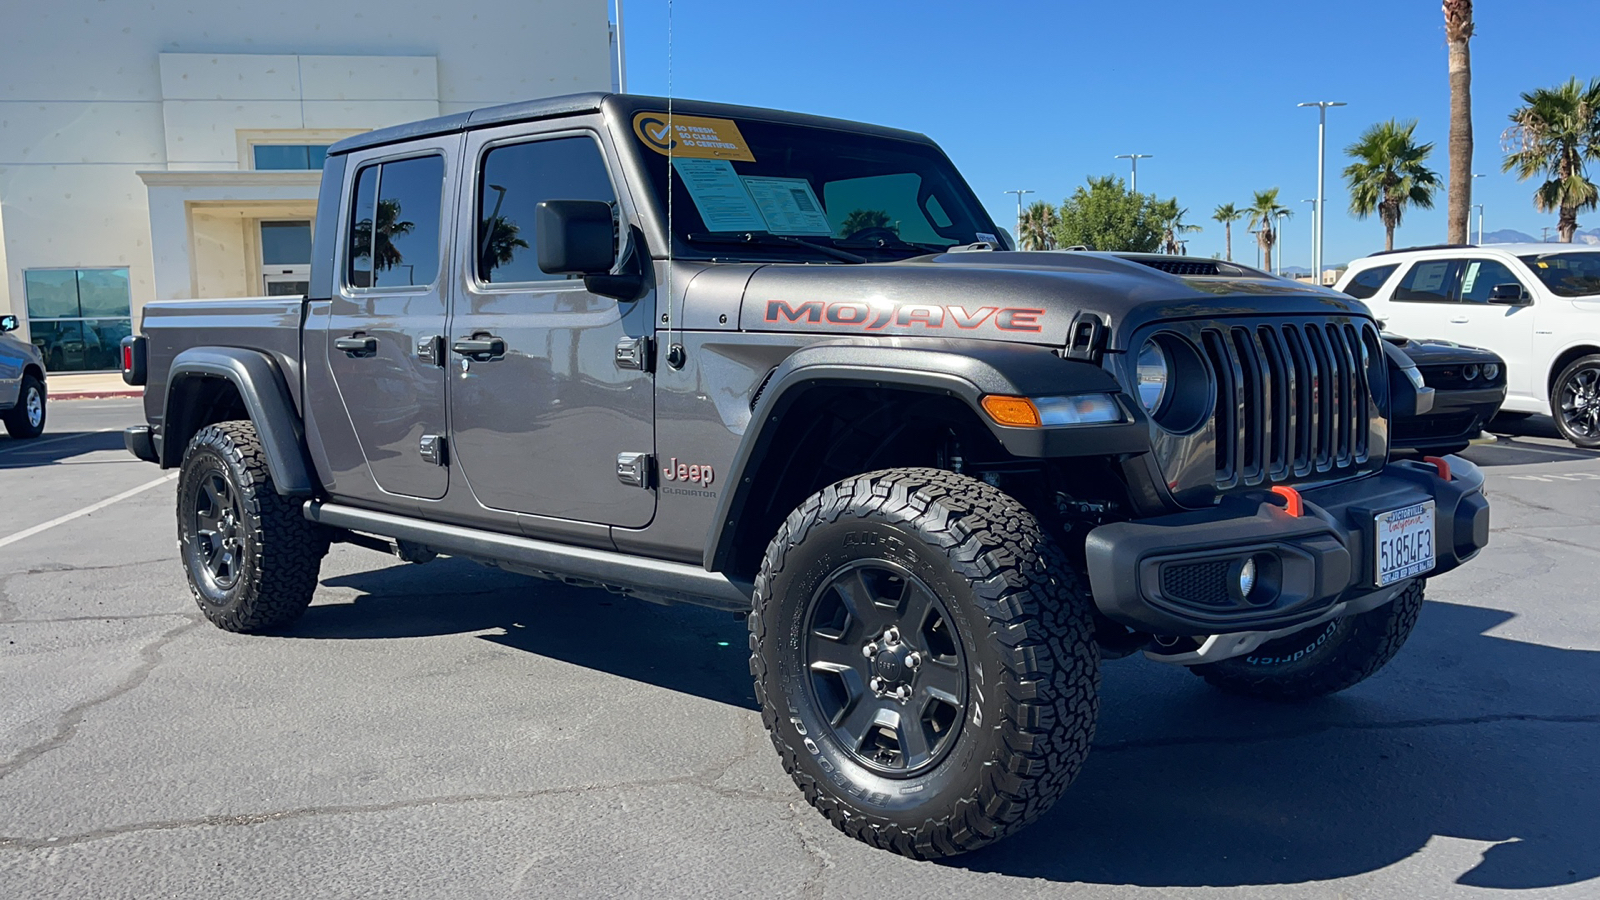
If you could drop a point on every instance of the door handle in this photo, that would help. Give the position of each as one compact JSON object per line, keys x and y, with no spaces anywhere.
{"x":1460,"y":321}
{"x":357,"y":345}
{"x":480,"y":347}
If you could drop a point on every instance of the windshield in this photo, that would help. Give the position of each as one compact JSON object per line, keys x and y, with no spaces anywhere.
{"x":777,"y":191}
{"x":1568,"y":274}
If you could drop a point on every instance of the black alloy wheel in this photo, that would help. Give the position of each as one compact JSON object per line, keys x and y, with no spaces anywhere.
{"x":885,"y":668}
{"x":1575,"y":402}
{"x":216,"y":526}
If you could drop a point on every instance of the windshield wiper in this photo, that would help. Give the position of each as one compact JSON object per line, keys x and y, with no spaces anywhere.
{"x":895,"y":244}
{"x":769,"y":239}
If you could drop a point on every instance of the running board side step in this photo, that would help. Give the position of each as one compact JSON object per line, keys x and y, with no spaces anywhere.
{"x":648,"y":579}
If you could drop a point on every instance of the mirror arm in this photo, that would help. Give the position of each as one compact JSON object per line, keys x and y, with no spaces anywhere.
{"x":626,"y":284}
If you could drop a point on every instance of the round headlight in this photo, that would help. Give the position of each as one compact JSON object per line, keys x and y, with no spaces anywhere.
{"x":1491,"y":371}
{"x":1470,"y":371}
{"x":1153,"y":371}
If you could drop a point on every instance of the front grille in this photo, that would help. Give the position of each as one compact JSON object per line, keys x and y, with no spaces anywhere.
{"x":1292,"y":400}
{"x":1200,"y":583}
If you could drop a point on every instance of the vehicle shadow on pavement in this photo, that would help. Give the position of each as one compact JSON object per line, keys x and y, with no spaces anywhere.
{"x":688,"y":649}
{"x":1510,"y":450}
{"x":1466,"y":736}
{"x":55,"y":447}
{"x":1234,"y":792}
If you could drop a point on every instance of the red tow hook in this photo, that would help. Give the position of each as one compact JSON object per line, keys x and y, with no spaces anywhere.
{"x":1438,"y":462}
{"x":1295,"y":506}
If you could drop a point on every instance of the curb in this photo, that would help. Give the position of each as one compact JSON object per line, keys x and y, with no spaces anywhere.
{"x":95,"y":395}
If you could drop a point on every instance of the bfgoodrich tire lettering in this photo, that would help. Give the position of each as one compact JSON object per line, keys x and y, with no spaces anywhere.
{"x":251,"y":557}
{"x":1323,"y":659}
{"x":1016,"y":617}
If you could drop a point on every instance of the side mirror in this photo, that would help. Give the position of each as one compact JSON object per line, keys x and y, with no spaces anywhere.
{"x":1508,"y":294}
{"x":8,"y":323}
{"x":575,"y":237}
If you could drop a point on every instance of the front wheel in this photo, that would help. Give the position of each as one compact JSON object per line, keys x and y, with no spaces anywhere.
{"x":1575,"y":402}
{"x":26,"y":419}
{"x":251,"y":557}
{"x":1323,"y":659}
{"x":925,"y":660}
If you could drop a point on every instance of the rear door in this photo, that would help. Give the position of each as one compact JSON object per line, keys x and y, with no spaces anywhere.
{"x":386,"y":322}
{"x":540,"y":417}
{"x":1424,"y":301}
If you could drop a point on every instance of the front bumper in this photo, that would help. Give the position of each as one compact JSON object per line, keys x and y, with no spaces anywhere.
{"x":1456,"y":418}
{"x":1170,"y":575}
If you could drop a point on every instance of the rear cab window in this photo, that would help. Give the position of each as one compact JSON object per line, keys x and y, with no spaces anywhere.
{"x":396,"y":223}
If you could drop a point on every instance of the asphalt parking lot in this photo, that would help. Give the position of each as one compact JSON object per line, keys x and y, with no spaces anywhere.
{"x":452,"y":731}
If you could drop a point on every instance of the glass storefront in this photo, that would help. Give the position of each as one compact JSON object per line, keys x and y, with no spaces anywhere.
{"x":78,"y":317}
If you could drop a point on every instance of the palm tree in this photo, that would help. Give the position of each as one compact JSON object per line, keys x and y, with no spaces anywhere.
{"x":1388,"y":174}
{"x":1227,"y":215}
{"x":1038,"y":225}
{"x":1263,"y":215}
{"x":861,"y":220}
{"x":1554,"y":135}
{"x":1172,"y":226}
{"x":1457,"y":32}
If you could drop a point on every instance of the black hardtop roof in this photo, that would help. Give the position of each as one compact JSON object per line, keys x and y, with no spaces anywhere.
{"x":576,"y":104}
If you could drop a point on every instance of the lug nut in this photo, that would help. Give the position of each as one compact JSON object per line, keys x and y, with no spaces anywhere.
{"x":869,"y":651}
{"x":876,"y":684}
{"x":914,"y":660}
{"x":903,"y":694}
{"x":892,"y":636}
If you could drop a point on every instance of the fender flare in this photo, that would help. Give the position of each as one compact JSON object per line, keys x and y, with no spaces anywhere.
{"x":966,"y":370}
{"x":266,"y":398}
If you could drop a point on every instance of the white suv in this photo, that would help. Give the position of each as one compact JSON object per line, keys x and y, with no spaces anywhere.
{"x":1537,"y":305}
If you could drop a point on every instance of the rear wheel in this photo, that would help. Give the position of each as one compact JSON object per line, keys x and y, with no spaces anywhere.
{"x":251,"y":557}
{"x":1323,"y":659}
{"x":925,"y":660}
{"x":1575,"y":402}
{"x":26,"y":419}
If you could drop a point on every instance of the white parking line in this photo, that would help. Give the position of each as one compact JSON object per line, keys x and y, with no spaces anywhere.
{"x":93,"y":507}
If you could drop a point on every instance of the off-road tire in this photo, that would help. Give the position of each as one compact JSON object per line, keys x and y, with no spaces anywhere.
{"x":19,"y":420}
{"x":1323,"y":659}
{"x":278,"y":552}
{"x":1022,"y":618}
{"x":1580,"y":375}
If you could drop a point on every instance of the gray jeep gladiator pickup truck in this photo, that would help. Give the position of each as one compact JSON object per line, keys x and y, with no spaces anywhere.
{"x":787,"y":366}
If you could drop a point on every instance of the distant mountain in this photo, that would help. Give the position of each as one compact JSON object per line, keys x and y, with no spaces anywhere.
{"x":1512,"y":236}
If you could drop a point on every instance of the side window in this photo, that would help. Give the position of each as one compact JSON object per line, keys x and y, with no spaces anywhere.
{"x":514,"y":179}
{"x":1429,"y":281}
{"x":1366,"y":282}
{"x":395,"y":223}
{"x":1480,"y":277}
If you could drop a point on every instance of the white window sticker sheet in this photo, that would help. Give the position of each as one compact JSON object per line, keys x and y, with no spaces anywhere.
{"x":788,"y":204}
{"x":719,"y":195}
{"x":1471,"y":278}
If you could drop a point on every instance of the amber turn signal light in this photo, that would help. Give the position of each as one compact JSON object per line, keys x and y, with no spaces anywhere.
{"x":1018,"y":412}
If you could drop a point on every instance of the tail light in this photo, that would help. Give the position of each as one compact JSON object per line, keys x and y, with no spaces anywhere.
{"x":133,"y":359}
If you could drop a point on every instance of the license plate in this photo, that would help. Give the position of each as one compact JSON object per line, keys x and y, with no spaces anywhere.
{"x":1404,"y":542}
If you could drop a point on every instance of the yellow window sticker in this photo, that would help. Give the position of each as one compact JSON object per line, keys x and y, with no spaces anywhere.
{"x":692,"y":137}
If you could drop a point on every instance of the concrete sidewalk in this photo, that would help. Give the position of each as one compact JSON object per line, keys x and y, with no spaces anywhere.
{"x":89,"y":386}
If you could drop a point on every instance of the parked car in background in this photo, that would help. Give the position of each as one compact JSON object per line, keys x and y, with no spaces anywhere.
{"x":1469,"y":384}
{"x":22,"y":391}
{"x":1536,"y":305}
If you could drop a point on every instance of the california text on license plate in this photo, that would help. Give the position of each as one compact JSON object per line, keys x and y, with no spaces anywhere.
{"x":1404,"y":541}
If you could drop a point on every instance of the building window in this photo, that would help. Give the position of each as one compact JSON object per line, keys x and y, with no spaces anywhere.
{"x":300,"y":157}
{"x":78,"y":317}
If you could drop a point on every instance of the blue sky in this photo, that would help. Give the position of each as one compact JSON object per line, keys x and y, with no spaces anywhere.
{"x":1040,"y":95}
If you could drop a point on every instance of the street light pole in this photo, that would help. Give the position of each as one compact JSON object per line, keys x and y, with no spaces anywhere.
{"x":1322,"y":151}
{"x":1135,"y":157}
{"x":1479,"y":208}
{"x":1316,"y":277}
{"x":622,"y":57}
{"x":1282,"y":214}
{"x":1018,"y":236}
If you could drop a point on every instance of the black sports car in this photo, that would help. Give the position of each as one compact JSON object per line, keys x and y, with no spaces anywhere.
{"x":1469,"y":385}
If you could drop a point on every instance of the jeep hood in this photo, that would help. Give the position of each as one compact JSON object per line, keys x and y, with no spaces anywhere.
{"x":1029,"y":297}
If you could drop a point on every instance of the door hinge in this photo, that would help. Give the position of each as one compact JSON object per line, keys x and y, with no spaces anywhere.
{"x":433,"y":449}
{"x":430,"y":349}
{"x":634,"y":353}
{"x":633,"y":469}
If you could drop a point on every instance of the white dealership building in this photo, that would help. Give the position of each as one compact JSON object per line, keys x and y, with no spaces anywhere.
{"x":168,"y":149}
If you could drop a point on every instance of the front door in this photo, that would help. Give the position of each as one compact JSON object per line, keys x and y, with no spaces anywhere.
{"x":387,"y":318}
{"x":540,"y":408}
{"x":1503,"y":328}
{"x":285,"y":258}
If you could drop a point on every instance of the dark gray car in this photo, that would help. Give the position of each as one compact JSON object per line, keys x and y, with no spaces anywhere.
{"x":22,"y":390}
{"x":788,"y":366}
